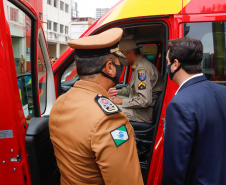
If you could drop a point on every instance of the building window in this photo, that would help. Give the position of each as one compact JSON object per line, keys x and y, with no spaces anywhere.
{"x":61,"y":28}
{"x":54,"y":26}
{"x":66,"y":8}
{"x":61,"y":5}
{"x":49,"y":2}
{"x":40,"y":16}
{"x":14,"y":14}
{"x":66,"y":29}
{"x":55,"y":3}
{"x":49,"y":25}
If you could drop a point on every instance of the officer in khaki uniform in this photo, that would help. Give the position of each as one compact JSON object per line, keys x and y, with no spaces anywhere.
{"x":22,"y":64}
{"x":146,"y":83}
{"x":92,"y":138}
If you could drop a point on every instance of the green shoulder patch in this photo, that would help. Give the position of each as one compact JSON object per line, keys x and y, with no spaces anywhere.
{"x":106,"y":105}
{"x":120,"y":135}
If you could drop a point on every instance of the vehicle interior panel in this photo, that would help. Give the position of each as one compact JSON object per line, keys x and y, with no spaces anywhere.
{"x":42,"y":161}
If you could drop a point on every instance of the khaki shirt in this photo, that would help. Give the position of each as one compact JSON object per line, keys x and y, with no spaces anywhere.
{"x":140,"y":102}
{"x":84,"y":147}
{"x":22,"y":60}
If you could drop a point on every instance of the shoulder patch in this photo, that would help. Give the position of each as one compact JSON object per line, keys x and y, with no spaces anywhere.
{"x":120,"y":135}
{"x":141,"y":86}
{"x":141,"y":74}
{"x":106,"y":105}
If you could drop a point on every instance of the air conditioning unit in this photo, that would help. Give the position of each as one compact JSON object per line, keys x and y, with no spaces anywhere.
{"x":56,"y":35}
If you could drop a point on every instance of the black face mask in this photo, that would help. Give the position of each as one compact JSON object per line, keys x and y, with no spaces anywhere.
{"x":168,"y":70}
{"x":116,"y":78}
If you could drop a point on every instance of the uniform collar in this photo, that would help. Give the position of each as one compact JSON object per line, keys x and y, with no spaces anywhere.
{"x":90,"y":86}
{"x":136,"y":62}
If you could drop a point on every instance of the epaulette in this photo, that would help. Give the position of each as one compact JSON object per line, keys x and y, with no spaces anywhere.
{"x":134,"y":67}
{"x":107,"y":106}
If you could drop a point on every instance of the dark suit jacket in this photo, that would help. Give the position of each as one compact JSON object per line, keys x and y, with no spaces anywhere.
{"x":195,"y":139}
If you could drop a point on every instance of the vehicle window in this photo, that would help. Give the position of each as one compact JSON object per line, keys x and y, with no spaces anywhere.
{"x":42,"y":79}
{"x":20,"y":28}
{"x":70,"y":73}
{"x":213,"y":37}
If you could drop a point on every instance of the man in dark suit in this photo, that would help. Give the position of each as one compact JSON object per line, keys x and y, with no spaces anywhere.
{"x":195,"y":138}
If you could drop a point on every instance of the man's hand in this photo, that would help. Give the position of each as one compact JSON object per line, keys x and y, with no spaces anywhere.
{"x":112,"y":92}
{"x":117,"y":100}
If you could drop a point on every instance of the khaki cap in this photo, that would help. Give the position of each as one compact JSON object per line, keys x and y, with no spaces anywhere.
{"x":98,"y":45}
{"x":126,"y":45}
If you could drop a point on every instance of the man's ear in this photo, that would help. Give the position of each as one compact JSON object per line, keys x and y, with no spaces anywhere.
{"x":175,"y":65}
{"x":109,"y":68}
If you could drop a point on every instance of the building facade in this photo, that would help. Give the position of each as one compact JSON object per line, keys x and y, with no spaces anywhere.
{"x":56,"y":25}
{"x":80,"y":25}
{"x":74,"y":9}
{"x":100,"y":12}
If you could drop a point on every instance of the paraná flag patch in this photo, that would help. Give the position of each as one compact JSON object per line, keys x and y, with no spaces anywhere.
{"x":120,"y":135}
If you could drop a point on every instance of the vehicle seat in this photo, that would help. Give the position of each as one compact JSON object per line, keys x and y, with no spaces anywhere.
{"x":144,"y":135}
{"x":42,"y":161}
{"x":141,"y":126}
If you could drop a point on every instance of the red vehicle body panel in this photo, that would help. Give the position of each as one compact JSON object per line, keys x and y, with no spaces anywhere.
{"x":12,"y":116}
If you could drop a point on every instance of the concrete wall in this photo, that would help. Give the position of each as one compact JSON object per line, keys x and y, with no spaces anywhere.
{"x":55,"y":14}
{"x":79,"y":26}
{"x":52,"y":50}
{"x":63,"y":48}
{"x":78,"y":29}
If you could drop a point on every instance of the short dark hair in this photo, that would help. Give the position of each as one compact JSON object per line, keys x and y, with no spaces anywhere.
{"x":136,"y":51}
{"x":188,"y":51}
{"x":86,"y":66}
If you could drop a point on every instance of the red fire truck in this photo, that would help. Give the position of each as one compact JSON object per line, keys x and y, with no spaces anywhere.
{"x":26,"y":98}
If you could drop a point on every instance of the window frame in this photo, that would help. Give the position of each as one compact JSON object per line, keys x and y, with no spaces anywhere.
{"x":50,"y":86}
{"x":61,"y":28}
{"x":62,"y":5}
{"x":49,"y":23}
{"x":55,"y":3}
{"x":14,"y":14}
{"x":66,"y":8}
{"x":49,"y":2}
{"x":55,"y":25}
{"x":199,"y":18}
{"x":66,"y":30}
{"x":33,"y":48}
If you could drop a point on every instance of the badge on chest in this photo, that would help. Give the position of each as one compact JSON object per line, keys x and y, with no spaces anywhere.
{"x":106,"y":105}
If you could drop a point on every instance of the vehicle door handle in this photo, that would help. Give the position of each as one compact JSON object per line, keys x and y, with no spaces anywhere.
{"x":16,"y":159}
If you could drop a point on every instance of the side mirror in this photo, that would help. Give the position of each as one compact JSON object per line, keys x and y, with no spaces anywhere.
{"x":26,"y":95}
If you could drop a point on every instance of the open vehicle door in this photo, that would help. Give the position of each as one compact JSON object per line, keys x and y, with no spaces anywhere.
{"x":25,"y":71}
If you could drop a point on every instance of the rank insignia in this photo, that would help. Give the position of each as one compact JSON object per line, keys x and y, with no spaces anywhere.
{"x":106,"y":105}
{"x":141,"y":74}
{"x":141,"y":86}
{"x":120,"y":135}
